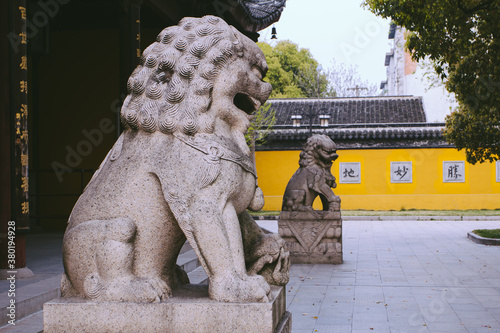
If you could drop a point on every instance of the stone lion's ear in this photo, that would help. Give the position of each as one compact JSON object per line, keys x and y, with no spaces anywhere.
{"x":236,"y":33}
{"x":237,"y":43}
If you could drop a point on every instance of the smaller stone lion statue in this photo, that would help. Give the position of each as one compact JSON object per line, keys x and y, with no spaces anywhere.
{"x":313,"y":177}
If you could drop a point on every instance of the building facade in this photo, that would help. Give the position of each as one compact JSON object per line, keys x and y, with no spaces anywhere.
{"x":390,"y":158}
{"x":407,"y":77}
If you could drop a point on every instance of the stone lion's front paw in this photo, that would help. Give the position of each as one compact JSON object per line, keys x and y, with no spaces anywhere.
{"x":160,"y":287}
{"x":334,"y":206}
{"x":236,"y":290}
{"x":149,"y":290}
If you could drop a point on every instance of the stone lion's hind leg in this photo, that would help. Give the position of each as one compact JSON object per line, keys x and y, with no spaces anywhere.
{"x":86,"y":255}
{"x":99,"y":257}
{"x":66,"y":287}
{"x":115,"y":260}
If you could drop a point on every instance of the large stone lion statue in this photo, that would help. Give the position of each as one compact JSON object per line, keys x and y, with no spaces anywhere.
{"x":180,"y":170}
{"x":314,"y":177}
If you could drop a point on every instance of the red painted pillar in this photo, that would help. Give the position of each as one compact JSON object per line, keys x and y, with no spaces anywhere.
{"x":14,"y":211}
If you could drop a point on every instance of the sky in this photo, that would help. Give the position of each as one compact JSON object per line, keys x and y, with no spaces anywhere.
{"x":336,"y":29}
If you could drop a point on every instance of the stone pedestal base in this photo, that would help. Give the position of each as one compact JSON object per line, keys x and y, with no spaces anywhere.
{"x":313,"y":237}
{"x":190,"y":310}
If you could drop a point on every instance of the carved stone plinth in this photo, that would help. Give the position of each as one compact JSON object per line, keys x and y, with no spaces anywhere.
{"x":190,"y":310}
{"x":313,"y":237}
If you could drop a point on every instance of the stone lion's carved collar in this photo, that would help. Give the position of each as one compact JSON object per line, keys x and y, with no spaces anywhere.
{"x":217,"y":148}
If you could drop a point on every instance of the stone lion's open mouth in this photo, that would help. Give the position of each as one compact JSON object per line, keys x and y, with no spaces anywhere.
{"x":246,"y":103}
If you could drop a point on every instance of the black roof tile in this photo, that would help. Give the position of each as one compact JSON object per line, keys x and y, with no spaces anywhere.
{"x":342,"y":111}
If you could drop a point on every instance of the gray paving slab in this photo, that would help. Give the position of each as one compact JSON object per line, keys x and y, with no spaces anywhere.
{"x":43,"y":257}
{"x":407,"y":276}
{"x":30,"y":324}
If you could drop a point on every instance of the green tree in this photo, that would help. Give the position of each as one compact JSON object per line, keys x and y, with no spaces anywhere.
{"x":461,"y":38}
{"x":262,"y":122}
{"x":293,"y":72}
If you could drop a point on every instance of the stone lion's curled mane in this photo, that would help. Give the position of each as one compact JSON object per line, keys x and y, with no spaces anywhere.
{"x":308,"y":155}
{"x":171,"y":89}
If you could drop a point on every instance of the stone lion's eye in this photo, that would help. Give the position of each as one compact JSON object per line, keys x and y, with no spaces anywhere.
{"x":257,"y":72}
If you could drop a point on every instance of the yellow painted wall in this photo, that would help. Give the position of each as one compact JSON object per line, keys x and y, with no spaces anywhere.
{"x":376,"y":192}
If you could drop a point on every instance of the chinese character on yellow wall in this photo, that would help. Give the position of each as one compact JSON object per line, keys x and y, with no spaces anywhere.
{"x":25,"y":206}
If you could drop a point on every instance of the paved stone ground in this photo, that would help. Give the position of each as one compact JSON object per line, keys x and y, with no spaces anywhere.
{"x":43,"y":257}
{"x":401,"y":276}
{"x":397,"y":276}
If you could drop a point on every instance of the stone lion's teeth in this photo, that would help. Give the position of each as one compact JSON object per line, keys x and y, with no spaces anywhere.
{"x":255,"y":102}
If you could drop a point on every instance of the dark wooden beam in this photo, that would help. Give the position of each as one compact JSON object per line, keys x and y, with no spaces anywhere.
{"x":14,"y":131}
{"x":168,"y":9}
{"x":5,"y":134}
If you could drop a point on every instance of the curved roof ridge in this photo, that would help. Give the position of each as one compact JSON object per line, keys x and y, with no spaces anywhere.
{"x":312,"y":99}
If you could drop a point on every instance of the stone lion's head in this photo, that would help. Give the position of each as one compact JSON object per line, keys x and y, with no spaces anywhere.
{"x":318,"y":149}
{"x":198,"y":75}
